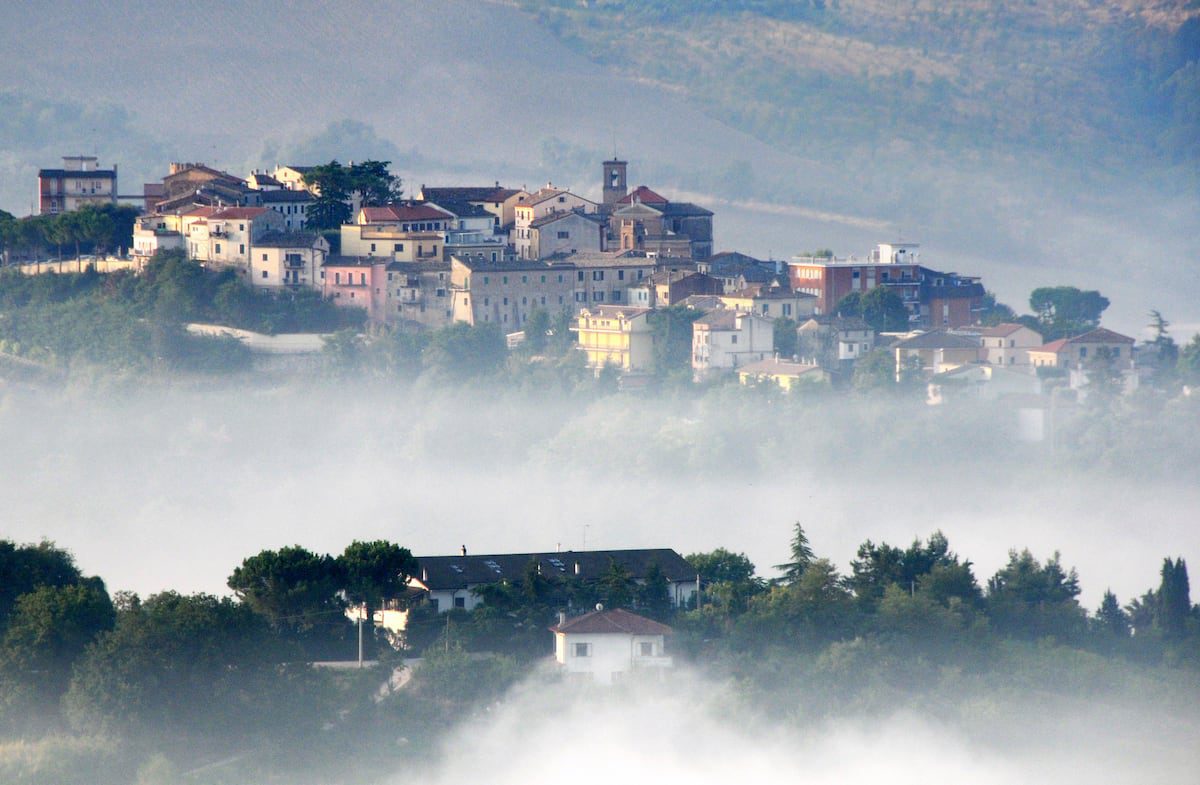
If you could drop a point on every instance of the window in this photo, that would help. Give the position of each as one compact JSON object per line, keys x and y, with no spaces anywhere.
{"x":440,"y":292}
{"x":582,"y":649}
{"x":241,"y":227}
{"x":218,"y":248}
{"x":264,"y":257}
{"x":460,"y":602}
{"x":486,"y":280}
{"x":787,"y":309}
{"x":524,"y":301}
{"x":242,"y":248}
{"x":564,"y":235}
{"x":398,"y":247}
{"x":562,"y":199}
{"x":616,"y":295}
{"x":579,"y":276}
{"x":504,"y":280}
{"x":597,"y":275}
{"x":645,"y":649}
{"x":264,"y":273}
{"x":506,"y":301}
{"x":524,"y":279}
{"x":620,"y":275}
{"x":733,"y":339}
{"x":1083,"y":351}
{"x":854,"y":275}
{"x":362,"y":279}
{"x":372,"y":247}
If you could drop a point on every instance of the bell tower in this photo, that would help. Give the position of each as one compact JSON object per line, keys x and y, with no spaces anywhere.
{"x":615,"y":184}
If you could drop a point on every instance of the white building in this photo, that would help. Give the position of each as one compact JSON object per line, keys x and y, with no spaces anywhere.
{"x":606,"y":645}
{"x":288,"y":259}
{"x":724,"y":340}
{"x":546,"y":201}
{"x":227,"y":236}
{"x":1009,"y":344}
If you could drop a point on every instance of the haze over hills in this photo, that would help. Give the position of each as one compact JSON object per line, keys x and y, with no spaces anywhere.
{"x":1041,"y":144}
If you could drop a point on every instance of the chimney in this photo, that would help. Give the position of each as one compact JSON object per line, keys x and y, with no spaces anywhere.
{"x":424,"y":575}
{"x":576,"y":568}
{"x":462,"y":551}
{"x":562,"y":618}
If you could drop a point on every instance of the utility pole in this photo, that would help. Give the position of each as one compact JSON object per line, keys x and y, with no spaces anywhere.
{"x":361,"y":612}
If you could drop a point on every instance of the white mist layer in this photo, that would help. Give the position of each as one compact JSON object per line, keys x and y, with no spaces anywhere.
{"x":685,"y":731}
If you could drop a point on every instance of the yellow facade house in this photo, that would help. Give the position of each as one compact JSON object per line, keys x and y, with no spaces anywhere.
{"x":616,"y":336}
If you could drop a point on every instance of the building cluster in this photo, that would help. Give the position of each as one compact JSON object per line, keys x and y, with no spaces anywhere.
{"x":495,"y":255}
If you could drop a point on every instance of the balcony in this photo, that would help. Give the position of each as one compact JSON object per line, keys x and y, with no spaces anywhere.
{"x":659,"y":661}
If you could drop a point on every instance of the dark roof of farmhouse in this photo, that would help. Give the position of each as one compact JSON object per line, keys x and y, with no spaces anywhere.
{"x":938,"y":339}
{"x":457,"y":572}
{"x":617,"y":621}
{"x":287,"y":240}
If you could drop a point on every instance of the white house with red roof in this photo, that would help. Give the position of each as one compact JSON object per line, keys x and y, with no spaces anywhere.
{"x":606,"y":645}
{"x":410,"y":232}
{"x":1078,"y":352}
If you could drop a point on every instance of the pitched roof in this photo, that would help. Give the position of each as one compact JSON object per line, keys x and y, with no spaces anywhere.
{"x":837,"y":322}
{"x":287,"y":240}
{"x":1101,"y":335}
{"x":558,"y":215}
{"x":239,"y":213}
{"x":684,"y":209}
{"x":938,"y":339}
{"x":461,"y":208}
{"x":457,"y":572}
{"x":284,"y":195}
{"x":550,"y":193}
{"x":1001,"y":330}
{"x":390,"y":213}
{"x":615,"y":622}
{"x":777,"y":367}
{"x":1054,"y":347}
{"x":467,"y":193}
{"x":644,"y":195}
{"x":353,"y":261}
{"x":724,"y":319}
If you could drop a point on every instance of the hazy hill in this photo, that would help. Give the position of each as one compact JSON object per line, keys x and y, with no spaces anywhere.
{"x":1039,"y":143}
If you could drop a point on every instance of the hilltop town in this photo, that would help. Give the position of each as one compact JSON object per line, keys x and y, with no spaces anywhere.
{"x":632,"y":280}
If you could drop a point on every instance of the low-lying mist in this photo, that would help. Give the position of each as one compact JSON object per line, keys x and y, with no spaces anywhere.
{"x":171,"y":486}
{"x":691,"y":729}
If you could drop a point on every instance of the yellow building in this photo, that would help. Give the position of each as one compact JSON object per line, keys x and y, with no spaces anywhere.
{"x":783,"y":373}
{"x":616,"y":336}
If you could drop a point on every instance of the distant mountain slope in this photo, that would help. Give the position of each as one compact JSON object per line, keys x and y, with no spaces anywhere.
{"x":1078,"y":77}
{"x":1033,"y":143}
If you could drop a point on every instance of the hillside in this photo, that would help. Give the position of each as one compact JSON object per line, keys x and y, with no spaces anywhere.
{"x":1035,"y":144}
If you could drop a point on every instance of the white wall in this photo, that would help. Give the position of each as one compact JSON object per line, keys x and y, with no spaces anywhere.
{"x":611,"y":654}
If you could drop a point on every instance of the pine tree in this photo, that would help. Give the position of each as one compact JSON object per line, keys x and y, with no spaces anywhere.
{"x":1111,"y":618}
{"x":1174,"y":600}
{"x":802,"y":556}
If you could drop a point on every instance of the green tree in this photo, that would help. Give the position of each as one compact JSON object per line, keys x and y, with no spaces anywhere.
{"x":727,"y":578}
{"x":785,"y":336}
{"x":375,"y":184}
{"x":875,"y":371}
{"x":1028,"y":599}
{"x":1189,"y":361}
{"x":462,"y":351}
{"x":293,"y":587}
{"x":1166,"y":353}
{"x":48,"y":631}
{"x":881,"y":308}
{"x":672,"y":330}
{"x":801,"y":556}
{"x":1174,"y":599}
{"x":1110,"y":618}
{"x":1063,"y":311}
{"x":375,"y":571}
{"x":994,"y":312}
{"x":25,"y":568}
{"x":653,"y":593}
{"x":615,"y":586}
{"x":331,"y":186}
{"x":536,"y":329}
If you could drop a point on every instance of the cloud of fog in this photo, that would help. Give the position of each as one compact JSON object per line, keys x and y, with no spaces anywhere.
{"x":690,"y":730}
{"x":172,"y":487}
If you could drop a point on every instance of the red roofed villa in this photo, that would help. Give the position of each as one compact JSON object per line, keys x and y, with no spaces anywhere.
{"x":603,"y":646}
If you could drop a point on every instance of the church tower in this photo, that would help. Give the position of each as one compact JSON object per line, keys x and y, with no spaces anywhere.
{"x":615,"y":184}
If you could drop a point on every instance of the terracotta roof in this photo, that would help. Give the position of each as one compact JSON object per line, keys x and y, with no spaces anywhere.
{"x":203,"y":211}
{"x":1054,"y":347}
{"x":404,"y":212}
{"x":644,"y":195}
{"x":1101,"y":335}
{"x":615,"y":622}
{"x":239,"y":213}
